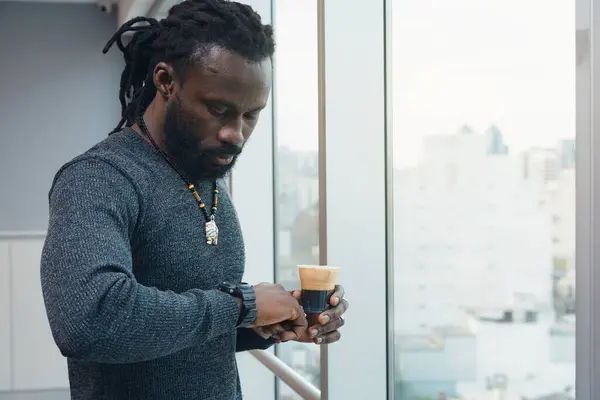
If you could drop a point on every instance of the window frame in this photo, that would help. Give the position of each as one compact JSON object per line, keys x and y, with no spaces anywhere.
{"x":588,"y":195}
{"x":357,"y":89}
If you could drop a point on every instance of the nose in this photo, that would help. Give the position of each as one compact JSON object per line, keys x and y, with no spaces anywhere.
{"x":232,"y":133}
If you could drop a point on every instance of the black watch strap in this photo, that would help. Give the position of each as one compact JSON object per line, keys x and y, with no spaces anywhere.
{"x":244,"y":292}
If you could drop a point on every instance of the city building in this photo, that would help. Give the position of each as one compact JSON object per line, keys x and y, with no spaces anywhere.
{"x":474,"y":251}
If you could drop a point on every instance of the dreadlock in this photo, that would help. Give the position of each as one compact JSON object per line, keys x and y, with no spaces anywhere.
{"x":190,"y":27}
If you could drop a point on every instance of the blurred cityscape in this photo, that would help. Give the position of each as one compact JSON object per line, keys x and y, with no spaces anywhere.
{"x":484,"y":267}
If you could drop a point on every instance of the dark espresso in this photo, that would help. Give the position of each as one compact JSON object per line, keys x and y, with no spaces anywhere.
{"x":314,"y":303}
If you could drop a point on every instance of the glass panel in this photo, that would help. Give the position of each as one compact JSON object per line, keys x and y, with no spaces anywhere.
{"x":484,"y":198}
{"x":296,"y":163}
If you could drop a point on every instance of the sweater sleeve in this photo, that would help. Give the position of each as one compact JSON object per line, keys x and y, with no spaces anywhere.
{"x":247,"y":339}
{"x":97,"y":310}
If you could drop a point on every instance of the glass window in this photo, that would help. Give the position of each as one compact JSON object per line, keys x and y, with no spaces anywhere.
{"x":296,"y":163}
{"x":483,"y":104}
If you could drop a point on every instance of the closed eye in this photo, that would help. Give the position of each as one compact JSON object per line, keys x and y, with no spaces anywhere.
{"x":217,"y":111}
{"x":252,"y":115}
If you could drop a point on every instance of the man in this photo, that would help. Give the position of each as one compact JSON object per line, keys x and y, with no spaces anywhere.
{"x":144,"y":257}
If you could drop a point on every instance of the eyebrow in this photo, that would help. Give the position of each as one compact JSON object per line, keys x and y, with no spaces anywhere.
{"x":231,"y":105}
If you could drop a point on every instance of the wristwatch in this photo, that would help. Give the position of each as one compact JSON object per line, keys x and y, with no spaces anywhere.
{"x":244,"y":292}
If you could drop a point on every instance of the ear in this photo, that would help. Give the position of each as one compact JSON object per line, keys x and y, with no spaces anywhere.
{"x":164,"y":80}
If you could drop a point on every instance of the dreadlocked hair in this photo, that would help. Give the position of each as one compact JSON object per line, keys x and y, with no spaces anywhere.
{"x":190,"y":28}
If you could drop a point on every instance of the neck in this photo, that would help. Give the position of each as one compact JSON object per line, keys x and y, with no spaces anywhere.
{"x":154,"y":119}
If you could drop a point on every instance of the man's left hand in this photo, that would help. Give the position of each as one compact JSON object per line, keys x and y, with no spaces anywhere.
{"x":325,"y":332}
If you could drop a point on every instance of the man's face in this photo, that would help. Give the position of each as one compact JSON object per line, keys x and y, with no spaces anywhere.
{"x":211,"y":116}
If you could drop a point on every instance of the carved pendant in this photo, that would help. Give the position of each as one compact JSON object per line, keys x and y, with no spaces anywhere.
{"x":212,"y":232}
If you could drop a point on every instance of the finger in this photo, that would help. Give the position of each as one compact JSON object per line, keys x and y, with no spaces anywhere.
{"x":337,"y":295}
{"x":260,"y":331}
{"x":278,"y":329}
{"x":297,"y":311}
{"x":287,"y":335}
{"x":321,"y":330}
{"x":334,"y":313}
{"x":329,"y":338}
{"x":299,"y":325}
{"x":297,"y":294}
{"x":273,"y":330}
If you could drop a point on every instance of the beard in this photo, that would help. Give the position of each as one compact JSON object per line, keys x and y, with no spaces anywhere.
{"x":182,"y":142}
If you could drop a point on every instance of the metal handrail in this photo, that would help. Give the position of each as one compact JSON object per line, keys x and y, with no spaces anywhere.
{"x":16,"y":235}
{"x":294,"y":380}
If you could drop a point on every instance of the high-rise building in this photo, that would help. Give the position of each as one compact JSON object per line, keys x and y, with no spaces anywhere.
{"x":567,"y":153}
{"x":495,"y":141}
{"x":470,"y":233}
{"x":541,"y":165}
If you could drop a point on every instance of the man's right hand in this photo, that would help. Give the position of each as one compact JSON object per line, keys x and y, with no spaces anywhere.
{"x":274,"y":304}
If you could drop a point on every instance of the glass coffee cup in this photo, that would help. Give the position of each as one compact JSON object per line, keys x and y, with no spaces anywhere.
{"x":318,"y":285}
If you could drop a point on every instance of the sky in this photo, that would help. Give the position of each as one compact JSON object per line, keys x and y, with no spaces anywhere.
{"x":503,"y":62}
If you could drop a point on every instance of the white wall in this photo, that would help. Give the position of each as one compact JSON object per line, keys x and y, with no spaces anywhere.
{"x":5,"y":313}
{"x":29,"y":359}
{"x":37,"y":362}
{"x":60,"y":96}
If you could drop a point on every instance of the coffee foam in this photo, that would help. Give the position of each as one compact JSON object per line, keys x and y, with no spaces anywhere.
{"x":318,"y":277}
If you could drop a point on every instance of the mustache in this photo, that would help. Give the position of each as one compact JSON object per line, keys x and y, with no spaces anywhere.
{"x":225,"y":150}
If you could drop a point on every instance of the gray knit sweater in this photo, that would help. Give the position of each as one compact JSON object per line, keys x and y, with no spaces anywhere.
{"x":129,"y":281}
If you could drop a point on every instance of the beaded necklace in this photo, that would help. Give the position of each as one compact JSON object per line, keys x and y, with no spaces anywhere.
{"x":212,"y":231}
